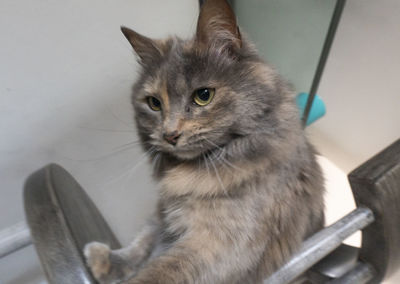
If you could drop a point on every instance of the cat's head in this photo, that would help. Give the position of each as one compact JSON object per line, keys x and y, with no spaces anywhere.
{"x":195,"y":96}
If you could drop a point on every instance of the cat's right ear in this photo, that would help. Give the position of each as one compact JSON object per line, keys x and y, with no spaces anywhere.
{"x":146,"y":48}
{"x":217,"y":27}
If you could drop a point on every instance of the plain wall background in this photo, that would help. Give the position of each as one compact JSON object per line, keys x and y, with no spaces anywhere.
{"x":65,"y":77}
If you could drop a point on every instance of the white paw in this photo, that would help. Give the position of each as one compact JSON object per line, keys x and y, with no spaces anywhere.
{"x":98,"y":259}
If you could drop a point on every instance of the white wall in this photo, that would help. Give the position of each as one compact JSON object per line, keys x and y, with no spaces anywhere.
{"x":65,"y":71}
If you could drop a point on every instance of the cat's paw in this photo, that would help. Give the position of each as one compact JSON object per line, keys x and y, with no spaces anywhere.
{"x":98,"y":259}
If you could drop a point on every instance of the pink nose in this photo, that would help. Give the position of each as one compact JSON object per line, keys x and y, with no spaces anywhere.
{"x":172,"y":137}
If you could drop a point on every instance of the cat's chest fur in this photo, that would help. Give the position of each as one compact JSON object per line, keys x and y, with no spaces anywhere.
{"x":220,"y":200}
{"x":218,"y":216}
{"x":210,"y":180}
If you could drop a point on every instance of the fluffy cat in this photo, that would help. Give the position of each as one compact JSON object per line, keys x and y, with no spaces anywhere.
{"x":240,"y":188}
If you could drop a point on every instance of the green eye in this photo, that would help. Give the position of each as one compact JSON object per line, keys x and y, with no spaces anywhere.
{"x":204,"y":96}
{"x":154,"y":103}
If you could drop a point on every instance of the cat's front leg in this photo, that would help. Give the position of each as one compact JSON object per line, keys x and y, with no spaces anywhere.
{"x":171,"y":268}
{"x":112,"y":266}
{"x":106,"y":265}
{"x":197,"y":259}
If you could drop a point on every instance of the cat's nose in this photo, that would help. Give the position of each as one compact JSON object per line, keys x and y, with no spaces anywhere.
{"x":172,"y":137}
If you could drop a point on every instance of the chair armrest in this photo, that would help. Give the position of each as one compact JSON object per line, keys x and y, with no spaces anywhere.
{"x":62,"y":219}
{"x":376,"y":185}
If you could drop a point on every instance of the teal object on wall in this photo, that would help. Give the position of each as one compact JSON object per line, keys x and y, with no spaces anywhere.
{"x":318,"y":108}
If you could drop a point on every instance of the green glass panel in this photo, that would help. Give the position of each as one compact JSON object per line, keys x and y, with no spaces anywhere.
{"x":288,"y":33}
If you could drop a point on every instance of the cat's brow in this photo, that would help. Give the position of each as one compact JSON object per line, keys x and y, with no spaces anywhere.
{"x":164,"y":97}
{"x":152,"y":86}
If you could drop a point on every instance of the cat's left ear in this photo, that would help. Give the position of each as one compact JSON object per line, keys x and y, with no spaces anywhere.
{"x":147,"y":49}
{"x":217,"y":27}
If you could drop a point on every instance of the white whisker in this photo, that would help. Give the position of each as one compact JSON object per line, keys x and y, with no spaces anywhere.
{"x":131,"y":170}
{"x":117,"y":151}
{"x":150,"y":152}
{"x":218,"y":176}
{"x":129,"y":124}
{"x":128,"y":145}
{"x":156,"y":160}
{"x":206,"y":164}
{"x":221,"y":157}
{"x":107,"y":130}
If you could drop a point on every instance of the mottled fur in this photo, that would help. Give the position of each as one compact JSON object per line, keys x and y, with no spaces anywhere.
{"x":241,"y":189}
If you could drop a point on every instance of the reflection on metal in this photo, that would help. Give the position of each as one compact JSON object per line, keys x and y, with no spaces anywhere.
{"x":361,"y":274}
{"x":14,"y":238}
{"x":339,"y":262}
{"x":321,"y":244}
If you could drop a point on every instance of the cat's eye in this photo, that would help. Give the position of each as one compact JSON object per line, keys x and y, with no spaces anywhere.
{"x":203,"y":96}
{"x":154,"y":103}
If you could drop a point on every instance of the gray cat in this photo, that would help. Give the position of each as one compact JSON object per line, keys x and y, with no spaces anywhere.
{"x":240,"y":188}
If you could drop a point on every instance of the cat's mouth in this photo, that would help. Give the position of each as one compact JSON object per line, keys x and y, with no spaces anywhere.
{"x":199,"y":146}
{"x":184,"y":153}
{"x":191,"y":153}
